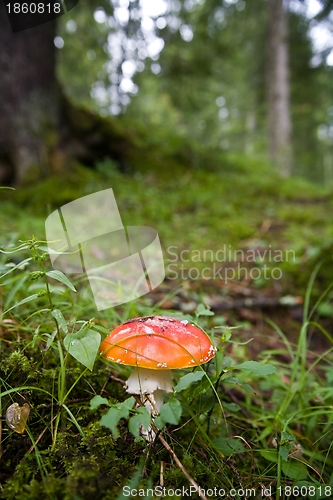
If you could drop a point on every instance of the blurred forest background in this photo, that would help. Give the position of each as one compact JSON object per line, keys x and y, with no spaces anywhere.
{"x":205,"y":83}
{"x":212,"y":121}
{"x":217,"y":72}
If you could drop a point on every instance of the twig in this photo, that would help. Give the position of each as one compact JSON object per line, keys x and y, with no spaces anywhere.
{"x":39,"y":438}
{"x":116,"y":379}
{"x":163,"y":441}
{"x":252,"y":302}
{"x":162,"y":474}
{"x":112,"y":377}
{"x":169,"y":449}
{"x":180,"y":465}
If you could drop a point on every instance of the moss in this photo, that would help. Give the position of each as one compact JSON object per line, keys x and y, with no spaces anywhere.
{"x":91,"y":467}
{"x":17,"y":361}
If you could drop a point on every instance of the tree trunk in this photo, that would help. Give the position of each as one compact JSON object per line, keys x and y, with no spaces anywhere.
{"x":41,"y":132}
{"x":279,"y":120}
{"x":29,"y":100}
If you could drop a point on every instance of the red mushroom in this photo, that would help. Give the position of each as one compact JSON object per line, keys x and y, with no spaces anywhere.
{"x":155,"y":345}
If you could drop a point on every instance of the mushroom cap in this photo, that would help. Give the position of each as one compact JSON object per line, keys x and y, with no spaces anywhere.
{"x":158,"y":343}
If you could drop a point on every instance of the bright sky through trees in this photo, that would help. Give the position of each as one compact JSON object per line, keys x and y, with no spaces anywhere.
{"x":132,"y":55}
{"x":321,"y":35}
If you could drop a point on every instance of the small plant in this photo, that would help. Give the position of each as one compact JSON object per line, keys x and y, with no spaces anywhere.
{"x":82,"y":342}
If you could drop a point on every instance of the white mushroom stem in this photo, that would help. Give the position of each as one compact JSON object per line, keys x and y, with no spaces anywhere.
{"x":150,"y":384}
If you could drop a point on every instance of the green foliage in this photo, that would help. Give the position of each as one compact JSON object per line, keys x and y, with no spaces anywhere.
{"x":170,"y":413}
{"x":188,"y":379}
{"x":116,"y":413}
{"x":141,"y":420}
{"x":201,"y":310}
{"x":96,"y":401}
{"x":59,"y":276}
{"x":84,"y":49}
{"x":58,"y":316}
{"x":83,"y":346}
{"x":233,"y":422}
{"x":256,"y":368}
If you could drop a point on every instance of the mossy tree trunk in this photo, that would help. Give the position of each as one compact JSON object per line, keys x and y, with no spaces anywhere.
{"x":41,"y":132}
{"x":29,"y":100}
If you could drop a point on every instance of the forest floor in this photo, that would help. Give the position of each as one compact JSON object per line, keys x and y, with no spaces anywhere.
{"x":248,"y":255}
{"x":244,"y":243}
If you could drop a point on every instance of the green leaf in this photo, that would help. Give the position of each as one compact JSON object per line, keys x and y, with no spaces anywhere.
{"x":270,"y":455}
{"x":115,"y":414}
{"x":284,"y":451}
{"x":226,"y":334}
{"x":97,"y":401}
{"x":159,"y":422}
{"x":59,"y":276}
{"x":229,"y":446}
{"x":188,"y":379}
{"x":198,"y":389}
{"x":170,"y":413}
{"x":231,"y":406}
{"x":140,"y":419}
{"x":202,"y":310}
{"x":227,"y":363}
{"x":20,"y":265}
{"x":57,"y":314}
{"x":234,"y":380}
{"x":285,"y":436}
{"x":294,"y":469}
{"x":50,"y":339}
{"x":83,"y":346}
{"x":24,"y":301}
{"x":22,"y":246}
{"x":219,"y":357}
{"x":134,"y":481}
{"x":256,"y":368}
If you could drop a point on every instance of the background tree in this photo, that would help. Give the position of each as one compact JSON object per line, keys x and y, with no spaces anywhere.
{"x":204,"y":96}
{"x":279,"y":116}
{"x":29,"y":97}
{"x":40,"y":130}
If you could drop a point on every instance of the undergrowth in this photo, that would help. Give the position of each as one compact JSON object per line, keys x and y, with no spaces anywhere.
{"x":239,"y":426}
{"x":241,"y":206}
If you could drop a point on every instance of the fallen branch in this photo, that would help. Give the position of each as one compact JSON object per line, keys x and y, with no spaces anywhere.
{"x":252,"y":302}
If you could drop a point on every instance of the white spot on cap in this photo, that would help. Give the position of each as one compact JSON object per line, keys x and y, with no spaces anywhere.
{"x":125,"y":330}
{"x":148,"y":330}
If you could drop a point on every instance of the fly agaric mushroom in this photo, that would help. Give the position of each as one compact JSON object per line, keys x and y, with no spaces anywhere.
{"x":155,"y":345}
